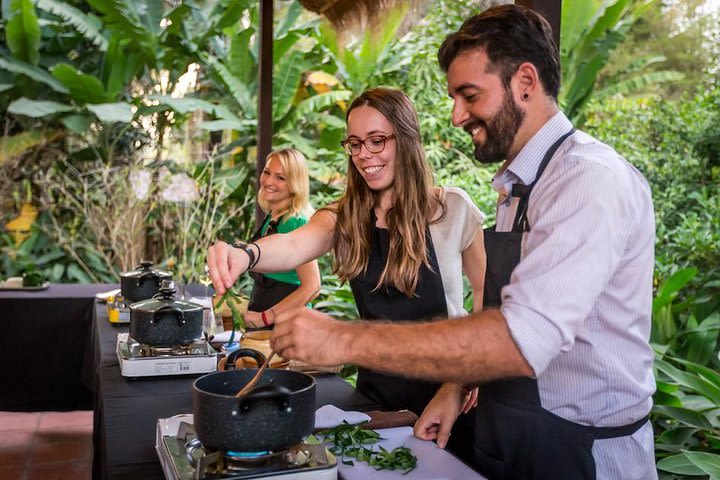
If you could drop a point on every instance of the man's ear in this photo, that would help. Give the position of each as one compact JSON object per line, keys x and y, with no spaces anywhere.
{"x":526,"y":82}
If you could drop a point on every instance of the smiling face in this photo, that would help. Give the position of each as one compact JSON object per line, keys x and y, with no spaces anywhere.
{"x":484,"y":107}
{"x":275,"y":189}
{"x":377,"y":169}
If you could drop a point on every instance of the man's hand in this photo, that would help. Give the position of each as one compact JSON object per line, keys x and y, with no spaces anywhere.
{"x":311,"y":337}
{"x":226,"y":264}
{"x":440,"y":414}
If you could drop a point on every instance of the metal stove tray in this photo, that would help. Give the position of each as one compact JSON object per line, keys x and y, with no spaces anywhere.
{"x":163,"y":365}
{"x":171,"y":451}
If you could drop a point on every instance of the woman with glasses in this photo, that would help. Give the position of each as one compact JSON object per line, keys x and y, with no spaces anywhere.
{"x":401,"y":242}
{"x":284,"y":197}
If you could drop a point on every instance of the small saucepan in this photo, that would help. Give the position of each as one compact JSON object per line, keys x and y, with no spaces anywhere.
{"x":163,"y":321}
{"x":142,"y":283}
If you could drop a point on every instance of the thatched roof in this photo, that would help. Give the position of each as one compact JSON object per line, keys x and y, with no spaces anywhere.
{"x":354,"y":14}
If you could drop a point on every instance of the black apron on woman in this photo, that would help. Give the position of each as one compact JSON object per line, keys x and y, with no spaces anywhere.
{"x":515,"y":437}
{"x":388,"y":303}
{"x":267,"y":292}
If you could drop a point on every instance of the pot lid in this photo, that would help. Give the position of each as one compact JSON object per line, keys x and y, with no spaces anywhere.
{"x":145,"y":270}
{"x":163,"y":299}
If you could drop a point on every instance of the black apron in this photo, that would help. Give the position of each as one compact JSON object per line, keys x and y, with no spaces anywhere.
{"x":515,"y":438}
{"x":388,"y":303}
{"x":267,"y":292}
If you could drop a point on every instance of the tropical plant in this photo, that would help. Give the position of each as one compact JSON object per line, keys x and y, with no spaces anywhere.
{"x":687,"y":402}
{"x":590,"y":32}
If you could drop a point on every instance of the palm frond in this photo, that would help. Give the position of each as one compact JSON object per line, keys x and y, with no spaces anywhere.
{"x":87,"y":24}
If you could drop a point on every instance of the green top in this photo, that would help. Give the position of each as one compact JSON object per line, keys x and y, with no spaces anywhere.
{"x":286,"y":226}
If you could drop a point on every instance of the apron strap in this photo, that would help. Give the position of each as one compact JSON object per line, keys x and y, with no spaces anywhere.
{"x":622,"y":431}
{"x":521,"y":224}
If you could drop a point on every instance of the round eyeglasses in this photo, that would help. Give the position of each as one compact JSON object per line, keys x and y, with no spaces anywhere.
{"x":373,"y":144}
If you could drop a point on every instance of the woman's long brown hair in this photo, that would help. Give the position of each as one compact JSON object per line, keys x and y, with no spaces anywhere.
{"x":413,"y":201}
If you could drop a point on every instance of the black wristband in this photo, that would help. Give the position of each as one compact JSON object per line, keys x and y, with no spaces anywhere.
{"x":249,"y":251}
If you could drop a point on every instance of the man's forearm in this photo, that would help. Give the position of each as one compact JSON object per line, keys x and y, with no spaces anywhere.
{"x":473,"y":349}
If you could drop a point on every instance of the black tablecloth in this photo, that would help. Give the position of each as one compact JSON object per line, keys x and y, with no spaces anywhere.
{"x":45,"y":338}
{"x":126,"y":411}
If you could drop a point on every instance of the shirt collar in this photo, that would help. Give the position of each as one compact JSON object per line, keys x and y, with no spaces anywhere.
{"x":525,"y":165}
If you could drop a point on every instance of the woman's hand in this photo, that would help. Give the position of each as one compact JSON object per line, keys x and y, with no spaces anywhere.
{"x":253,"y":319}
{"x":440,"y":414}
{"x":226,"y":264}
{"x":471,"y":399}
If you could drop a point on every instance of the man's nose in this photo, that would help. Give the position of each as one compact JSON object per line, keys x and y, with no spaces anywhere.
{"x":459,"y":114}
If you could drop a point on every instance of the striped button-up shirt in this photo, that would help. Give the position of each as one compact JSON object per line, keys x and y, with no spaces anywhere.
{"x":579,"y":302}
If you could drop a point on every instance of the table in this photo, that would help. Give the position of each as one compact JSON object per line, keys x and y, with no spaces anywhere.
{"x":46,"y":336}
{"x":126,"y":411}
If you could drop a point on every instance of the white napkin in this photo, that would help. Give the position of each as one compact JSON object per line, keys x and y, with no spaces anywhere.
{"x":225,"y":336}
{"x":205,"y":302}
{"x":330,"y":416}
{"x":103,"y":296}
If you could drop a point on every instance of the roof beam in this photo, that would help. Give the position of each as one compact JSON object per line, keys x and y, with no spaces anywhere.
{"x":550,"y":9}
{"x":265,"y":82}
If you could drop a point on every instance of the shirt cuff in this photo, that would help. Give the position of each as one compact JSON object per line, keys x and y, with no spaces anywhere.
{"x":536,"y":337}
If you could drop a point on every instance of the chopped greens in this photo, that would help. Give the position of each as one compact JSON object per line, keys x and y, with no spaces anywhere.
{"x":351,"y":440}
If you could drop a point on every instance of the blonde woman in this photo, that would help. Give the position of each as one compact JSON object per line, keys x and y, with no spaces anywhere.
{"x":402,"y":243}
{"x":284,"y":197}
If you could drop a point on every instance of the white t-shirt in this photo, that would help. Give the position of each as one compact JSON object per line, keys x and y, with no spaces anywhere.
{"x":451,"y":236}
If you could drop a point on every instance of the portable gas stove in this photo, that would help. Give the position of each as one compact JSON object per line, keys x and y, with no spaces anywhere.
{"x":184,"y":458}
{"x":139,"y":360}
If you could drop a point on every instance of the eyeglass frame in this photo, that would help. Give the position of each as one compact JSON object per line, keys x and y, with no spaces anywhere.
{"x":384,"y":138}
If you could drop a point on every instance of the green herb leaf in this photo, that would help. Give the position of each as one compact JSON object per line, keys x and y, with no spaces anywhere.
{"x":350,"y":440}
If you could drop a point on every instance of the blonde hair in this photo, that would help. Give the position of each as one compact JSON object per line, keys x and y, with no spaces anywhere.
{"x":413,"y":201}
{"x":295,"y":169}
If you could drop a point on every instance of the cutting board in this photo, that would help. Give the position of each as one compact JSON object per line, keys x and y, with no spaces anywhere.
{"x":433,"y":463}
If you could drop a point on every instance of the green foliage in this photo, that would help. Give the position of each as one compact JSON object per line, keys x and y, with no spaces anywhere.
{"x":591,"y":32}
{"x":682,"y":34}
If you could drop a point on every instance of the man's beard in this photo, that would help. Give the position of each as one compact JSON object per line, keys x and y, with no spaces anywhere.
{"x":500,"y":132}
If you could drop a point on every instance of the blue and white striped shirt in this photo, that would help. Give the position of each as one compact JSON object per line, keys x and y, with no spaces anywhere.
{"x":579,"y":302}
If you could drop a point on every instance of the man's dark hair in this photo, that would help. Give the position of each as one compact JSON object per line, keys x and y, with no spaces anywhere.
{"x":509,"y":35}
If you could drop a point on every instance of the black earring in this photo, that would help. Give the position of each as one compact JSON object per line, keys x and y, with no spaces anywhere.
{"x":525,"y":96}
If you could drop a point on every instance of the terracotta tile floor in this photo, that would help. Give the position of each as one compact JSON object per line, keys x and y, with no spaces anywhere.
{"x":46,"y":445}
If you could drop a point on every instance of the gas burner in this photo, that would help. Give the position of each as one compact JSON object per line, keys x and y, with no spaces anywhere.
{"x":139,"y":360}
{"x":183,"y":457}
{"x":239,"y":461}
{"x":197,"y":347}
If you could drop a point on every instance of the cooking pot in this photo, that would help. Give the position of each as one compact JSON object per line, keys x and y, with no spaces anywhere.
{"x":142,"y":283}
{"x":163,"y":321}
{"x":279,"y":412}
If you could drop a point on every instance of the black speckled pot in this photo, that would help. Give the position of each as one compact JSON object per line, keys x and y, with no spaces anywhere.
{"x":277,"y":413}
{"x":143,"y":282}
{"x":164,"y":321}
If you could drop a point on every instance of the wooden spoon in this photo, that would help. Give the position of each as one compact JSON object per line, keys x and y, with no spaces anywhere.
{"x":251,"y":384}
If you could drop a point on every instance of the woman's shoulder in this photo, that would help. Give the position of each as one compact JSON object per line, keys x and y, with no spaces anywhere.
{"x":455,"y":195}
{"x":457,"y":202}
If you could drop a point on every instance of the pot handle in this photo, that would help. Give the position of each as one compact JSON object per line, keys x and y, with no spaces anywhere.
{"x":147,"y":275}
{"x":277,"y":393}
{"x":244,"y":352}
{"x":169,"y":309}
{"x":190,"y":448}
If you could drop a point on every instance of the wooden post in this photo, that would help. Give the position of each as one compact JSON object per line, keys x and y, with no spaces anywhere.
{"x":550,"y":9}
{"x":265,"y":71}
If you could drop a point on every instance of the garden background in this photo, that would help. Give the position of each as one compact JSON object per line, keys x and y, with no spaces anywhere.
{"x":129,"y":129}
